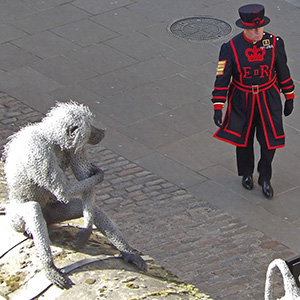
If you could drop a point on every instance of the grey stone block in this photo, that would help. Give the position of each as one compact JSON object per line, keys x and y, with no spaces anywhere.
{"x":194,"y":54}
{"x":113,"y":83}
{"x":138,"y":46}
{"x":9,"y":33}
{"x":84,"y":32}
{"x":151,"y":133}
{"x":35,"y":80}
{"x":49,"y":18}
{"x":285,"y":168}
{"x":188,"y":119}
{"x":160,"y":32}
{"x":101,"y":58}
{"x":282,"y":206}
{"x":123,"y":144}
{"x":40,"y":101}
{"x":14,"y":9}
{"x":12,"y":57}
{"x":8,"y":81}
{"x":63,"y":70}
{"x":172,"y":91}
{"x":199,"y":152}
{"x":203,"y":75}
{"x":161,"y":11}
{"x":77,"y":93}
{"x":156,"y":68}
{"x":122,"y":20}
{"x":45,"y":44}
{"x":96,"y":7}
{"x":129,"y":107}
{"x":170,"y":170}
{"x":41,"y":4}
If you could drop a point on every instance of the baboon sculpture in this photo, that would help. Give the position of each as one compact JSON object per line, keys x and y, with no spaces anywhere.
{"x":35,"y":161}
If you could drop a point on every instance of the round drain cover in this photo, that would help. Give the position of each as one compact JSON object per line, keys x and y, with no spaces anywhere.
{"x":200,"y":28}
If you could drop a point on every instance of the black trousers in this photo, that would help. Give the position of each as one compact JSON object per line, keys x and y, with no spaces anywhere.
{"x":245,"y":155}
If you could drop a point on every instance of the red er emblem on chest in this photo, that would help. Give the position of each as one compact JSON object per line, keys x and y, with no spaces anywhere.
{"x":255,"y":54}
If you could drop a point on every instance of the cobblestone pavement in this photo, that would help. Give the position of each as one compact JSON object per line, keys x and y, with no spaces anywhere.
{"x":196,"y":241}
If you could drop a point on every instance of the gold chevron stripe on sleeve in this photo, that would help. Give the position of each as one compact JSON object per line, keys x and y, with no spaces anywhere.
{"x":221,"y":67}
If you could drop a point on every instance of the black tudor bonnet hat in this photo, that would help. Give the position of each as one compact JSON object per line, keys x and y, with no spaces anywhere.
{"x":252,"y":16}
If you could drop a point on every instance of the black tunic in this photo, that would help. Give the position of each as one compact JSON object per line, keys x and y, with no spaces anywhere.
{"x":252,"y":74}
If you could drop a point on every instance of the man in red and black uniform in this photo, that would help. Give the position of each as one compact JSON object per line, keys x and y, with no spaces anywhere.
{"x":252,"y":71}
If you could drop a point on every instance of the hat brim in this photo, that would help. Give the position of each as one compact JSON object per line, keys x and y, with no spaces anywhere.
{"x":241,"y":25}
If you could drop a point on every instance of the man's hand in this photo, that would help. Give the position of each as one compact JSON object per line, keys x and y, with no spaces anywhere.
{"x":288,"y":107}
{"x":218,"y":117}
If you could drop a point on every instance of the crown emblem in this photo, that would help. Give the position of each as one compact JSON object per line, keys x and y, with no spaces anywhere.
{"x":255,"y":54}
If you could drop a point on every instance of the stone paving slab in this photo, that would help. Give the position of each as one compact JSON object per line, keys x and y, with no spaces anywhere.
{"x":63,"y":70}
{"x":48,"y":18}
{"x":84,"y":32}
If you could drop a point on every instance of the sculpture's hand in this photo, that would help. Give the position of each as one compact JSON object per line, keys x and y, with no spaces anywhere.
{"x":131,"y":257}
{"x":57,"y":277}
{"x":93,"y":170}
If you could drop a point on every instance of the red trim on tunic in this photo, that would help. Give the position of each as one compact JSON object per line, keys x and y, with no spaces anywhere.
{"x":247,"y":39}
{"x":270,"y":119}
{"x":253,"y":24}
{"x":220,"y":97}
{"x":287,"y":87}
{"x":241,"y":145}
{"x":228,"y":113}
{"x":227,"y":141}
{"x":221,"y":88}
{"x":257,"y":88}
{"x":237,"y":60}
{"x":285,"y":81}
{"x":265,"y":128}
{"x":273,"y":56}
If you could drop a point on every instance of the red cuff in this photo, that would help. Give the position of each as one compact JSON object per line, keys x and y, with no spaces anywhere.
{"x":289,"y":96}
{"x":218,"y":106}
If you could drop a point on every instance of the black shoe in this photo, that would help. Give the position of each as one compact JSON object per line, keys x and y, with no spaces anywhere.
{"x":267,"y":189}
{"x":247,"y":182}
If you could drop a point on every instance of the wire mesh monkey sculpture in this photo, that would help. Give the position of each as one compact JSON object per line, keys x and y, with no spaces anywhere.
{"x":36,"y":158}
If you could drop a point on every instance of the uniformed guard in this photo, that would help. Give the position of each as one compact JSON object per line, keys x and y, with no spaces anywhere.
{"x":252,"y":71}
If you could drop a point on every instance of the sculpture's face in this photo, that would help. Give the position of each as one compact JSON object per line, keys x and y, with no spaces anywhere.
{"x":78,"y":135}
{"x":96,"y":136}
{"x":71,"y":126}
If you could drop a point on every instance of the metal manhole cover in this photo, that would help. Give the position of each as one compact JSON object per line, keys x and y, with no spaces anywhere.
{"x":200,"y":28}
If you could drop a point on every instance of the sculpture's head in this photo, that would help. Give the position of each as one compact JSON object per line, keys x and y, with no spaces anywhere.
{"x":70,"y":126}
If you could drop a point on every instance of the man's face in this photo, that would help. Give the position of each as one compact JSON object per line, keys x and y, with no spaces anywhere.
{"x":254,"y":34}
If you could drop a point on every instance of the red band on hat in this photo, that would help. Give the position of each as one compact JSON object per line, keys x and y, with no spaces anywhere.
{"x":255,"y":22}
